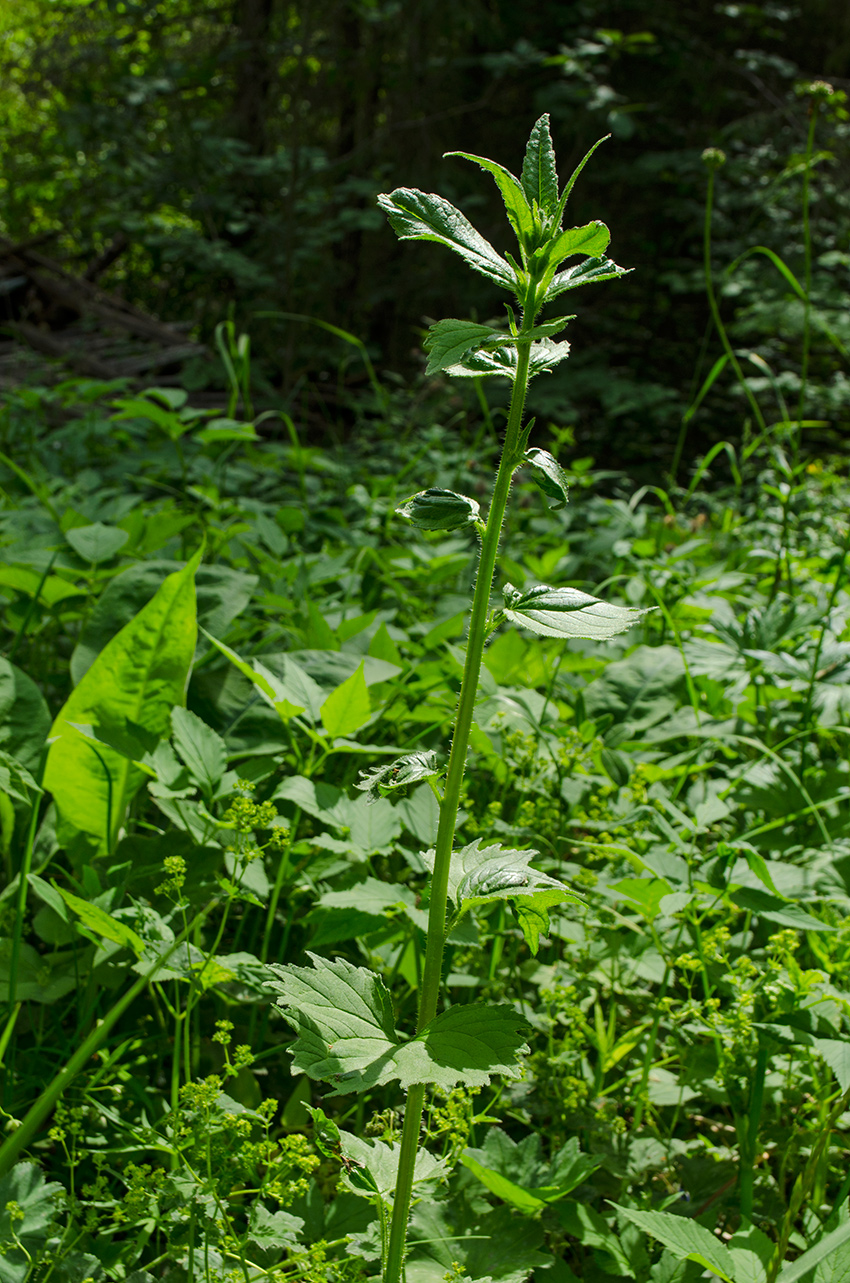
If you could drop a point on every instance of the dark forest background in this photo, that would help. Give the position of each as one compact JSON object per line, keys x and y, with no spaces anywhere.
{"x":221,"y":159}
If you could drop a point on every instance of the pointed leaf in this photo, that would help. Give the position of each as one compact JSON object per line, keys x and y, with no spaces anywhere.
{"x":138,"y":677}
{"x":553,"y":481}
{"x":437,"y":509}
{"x":96,"y":543}
{"x":201,"y":749}
{"x":565,"y":194}
{"x":347,"y":708}
{"x":532,"y":913}
{"x":344,"y":1020}
{"x":821,"y":1251}
{"x":513,"y":195}
{"x":416,"y":215}
{"x":589,"y":272}
{"x":409,"y":769}
{"x":539,"y":174}
{"x":449,"y":340}
{"x":102,"y":924}
{"x":591,"y":240}
{"x":685,"y":1238}
{"x":567,"y":612}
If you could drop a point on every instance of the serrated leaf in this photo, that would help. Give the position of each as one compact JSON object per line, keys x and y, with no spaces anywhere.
{"x":518,"y":210}
{"x":347,"y":708}
{"x":344,"y":1019}
{"x":685,"y":1238}
{"x":437,"y":509}
{"x":567,"y":612}
{"x":589,"y":272}
{"x":416,"y":215}
{"x":449,"y":340}
{"x":545,"y":355}
{"x":539,"y":173}
{"x":553,"y":481}
{"x":532,"y":913}
{"x":409,"y":769}
{"x":592,"y":240}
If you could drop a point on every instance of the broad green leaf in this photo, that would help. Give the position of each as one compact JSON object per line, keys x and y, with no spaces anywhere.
{"x":516,"y":204}
{"x":589,"y":272}
{"x":775,"y":910}
{"x":751,"y":1251}
{"x":371,"y":1169}
{"x":226,"y":430}
{"x":583,"y":1222}
{"x":416,"y":215}
{"x":492,"y":1247}
{"x":103,"y":924}
{"x":346,"y":1036}
{"x":201,"y":749}
{"x":591,"y":240}
{"x":514,"y":1172}
{"x":647,"y":892}
{"x":437,"y":509}
{"x":289,"y":696}
{"x":98,"y":542}
{"x":139,"y":676}
{"x":221,"y":594}
{"x":539,"y":173}
{"x":821,"y":1251}
{"x":528,"y":1201}
{"x":553,"y":481}
{"x":685,"y":1238}
{"x":532,"y":913}
{"x":409,"y":769}
{"x":545,"y":355}
{"x":448,"y":341}
{"x":347,"y":708}
{"x":24,"y":1186}
{"x":16,"y":781}
{"x":837,"y":1055}
{"x":24,"y":716}
{"x":51,"y":590}
{"x":567,"y":612}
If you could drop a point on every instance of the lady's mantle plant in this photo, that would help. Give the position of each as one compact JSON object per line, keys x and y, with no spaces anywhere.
{"x":343,"y":1014}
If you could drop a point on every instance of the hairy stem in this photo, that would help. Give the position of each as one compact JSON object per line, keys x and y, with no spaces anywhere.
{"x":430,"y":988}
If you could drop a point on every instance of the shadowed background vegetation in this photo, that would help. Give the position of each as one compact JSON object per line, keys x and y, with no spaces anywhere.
{"x":228,"y":156}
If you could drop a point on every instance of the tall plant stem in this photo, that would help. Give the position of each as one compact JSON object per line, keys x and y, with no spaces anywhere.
{"x":430,"y":989}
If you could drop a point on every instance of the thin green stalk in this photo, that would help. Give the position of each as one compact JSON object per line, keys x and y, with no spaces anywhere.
{"x":746,"y":1175}
{"x":430,"y":988}
{"x":807,"y":252}
{"x":38,"y":1112}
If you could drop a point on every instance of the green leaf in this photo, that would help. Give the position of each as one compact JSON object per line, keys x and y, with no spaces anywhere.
{"x":448,"y":341}
{"x":409,"y":769}
{"x":528,"y":1185}
{"x":821,"y":1251}
{"x":347,"y":708}
{"x":592,"y":240}
{"x":96,"y":543}
{"x":203,"y":751}
{"x":289,"y":696}
{"x":553,"y":481}
{"x":371,"y":1166}
{"x":837,"y":1055}
{"x":226,"y":430}
{"x":102,"y":924}
{"x":772,"y":909}
{"x":24,"y":716}
{"x":685,"y":1238}
{"x":416,"y":215}
{"x":567,"y":612}
{"x":138,"y":677}
{"x":437,"y":509}
{"x":590,"y":272}
{"x":24,"y":1185}
{"x":647,"y":892}
{"x":584,"y":1223}
{"x":344,"y":1019}
{"x":532,"y":913}
{"x":545,"y":355}
{"x":516,"y":204}
{"x":539,"y":173}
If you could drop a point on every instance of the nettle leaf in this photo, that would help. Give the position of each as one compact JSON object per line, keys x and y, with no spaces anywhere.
{"x":516,"y":204}
{"x":567,"y":612}
{"x":437,"y":509}
{"x":411,"y":768}
{"x":552,"y":479}
{"x":545,"y":355}
{"x":480,"y":875}
{"x":448,"y":341}
{"x":344,"y":1020}
{"x":685,"y":1238}
{"x":424,"y":216}
{"x":539,"y":174}
{"x":589,"y":272}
